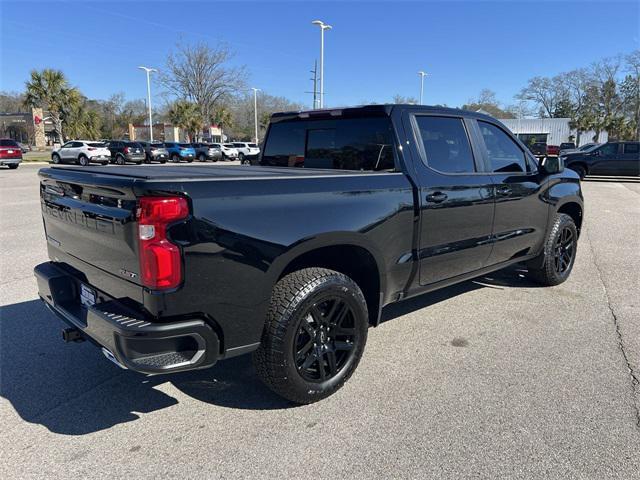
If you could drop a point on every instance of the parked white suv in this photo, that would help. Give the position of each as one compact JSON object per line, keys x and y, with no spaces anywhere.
{"x":229,"y":152}
{"x":82,"y":152}
{"x":246,"y":151}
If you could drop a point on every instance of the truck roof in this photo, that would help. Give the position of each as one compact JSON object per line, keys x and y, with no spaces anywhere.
{"x":374,"y":110}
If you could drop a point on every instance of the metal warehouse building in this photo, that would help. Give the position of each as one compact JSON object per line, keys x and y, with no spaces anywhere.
{"x":552,"y":131}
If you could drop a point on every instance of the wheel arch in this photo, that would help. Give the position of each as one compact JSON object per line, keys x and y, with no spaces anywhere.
{"x":349,"y":254}
{"x":575,"y":211}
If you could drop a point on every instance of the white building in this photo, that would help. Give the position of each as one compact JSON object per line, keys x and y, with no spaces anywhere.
{"x":552,"y":131}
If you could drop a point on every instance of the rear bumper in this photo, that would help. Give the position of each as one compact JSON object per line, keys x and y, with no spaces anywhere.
{"x":126,"y":336}
{"x":10,"y":161}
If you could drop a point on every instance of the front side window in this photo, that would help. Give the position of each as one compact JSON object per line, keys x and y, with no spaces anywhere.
{"x":446,"y":144}
{"x":505,"y":156}
{"x":609,"y":149}
{"x":342,"y":144}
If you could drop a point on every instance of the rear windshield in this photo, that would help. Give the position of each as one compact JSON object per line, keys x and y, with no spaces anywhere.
{"x":344,"y":144}
{"x":8,"y":143}
{"x":96,"y":144}
{"x":185,"y":145}
{"x":160,"y":145}
{"x":134,"y":145}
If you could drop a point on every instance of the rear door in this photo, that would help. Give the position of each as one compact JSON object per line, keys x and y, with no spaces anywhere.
{"x":631,"y":158}
{"x":456,"y":197}
{"x":606,"y":160}
{"x":521,"y":214}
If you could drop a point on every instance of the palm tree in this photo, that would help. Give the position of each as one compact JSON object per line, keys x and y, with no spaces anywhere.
{"x":223,"y":118}
{"x":50,"y":90}
{"x":186,"y":115}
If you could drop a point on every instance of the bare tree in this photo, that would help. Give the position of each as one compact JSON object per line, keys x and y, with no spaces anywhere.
{"x":201,"y":74}
{"x":550,"y":95}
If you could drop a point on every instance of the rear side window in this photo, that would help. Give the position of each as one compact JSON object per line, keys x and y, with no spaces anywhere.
{"x":96,"y":144}
{"x":343,"y":144}
{"x":446,"y":144}
{"x":609,"y":149}
{"x":631,"y":148}
{"x":505,"y":156}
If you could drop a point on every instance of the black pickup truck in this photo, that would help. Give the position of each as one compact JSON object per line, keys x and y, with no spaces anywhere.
{"x":170,"y":269}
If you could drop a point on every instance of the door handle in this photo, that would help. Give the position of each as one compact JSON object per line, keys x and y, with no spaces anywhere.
{"x":437,"y":197}
{"x":503,"y":191}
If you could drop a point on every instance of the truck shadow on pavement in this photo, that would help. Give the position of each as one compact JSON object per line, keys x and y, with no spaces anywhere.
{"x":72,"y":389}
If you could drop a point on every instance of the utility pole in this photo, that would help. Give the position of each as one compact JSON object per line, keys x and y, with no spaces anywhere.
{"x":315,"y":84}
{"x":149,"y":70}
{"x":323,"y":26}
{"x":422,"y":75}
{"x":255,"y":110}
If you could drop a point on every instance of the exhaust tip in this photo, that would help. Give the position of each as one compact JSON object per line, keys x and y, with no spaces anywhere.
{"x":72,"y":335}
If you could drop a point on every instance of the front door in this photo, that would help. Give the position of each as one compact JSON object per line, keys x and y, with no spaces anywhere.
{"x":521,"y":214}
{"x":456,"y":198}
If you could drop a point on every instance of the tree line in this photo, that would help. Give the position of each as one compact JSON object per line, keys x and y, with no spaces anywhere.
{"x":199,"y":87}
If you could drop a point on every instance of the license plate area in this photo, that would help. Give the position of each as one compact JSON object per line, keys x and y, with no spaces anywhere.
{"x":87,"y":295}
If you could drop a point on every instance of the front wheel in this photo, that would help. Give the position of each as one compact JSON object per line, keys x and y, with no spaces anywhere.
{"x":580,"y":170}
{"x":55,"y":158}
{"x":555,"y":263}
{"x":175,"y":158}
{"x":314,"y":336}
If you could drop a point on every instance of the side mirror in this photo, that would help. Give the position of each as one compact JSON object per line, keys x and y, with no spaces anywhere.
{"x":552,"y":165}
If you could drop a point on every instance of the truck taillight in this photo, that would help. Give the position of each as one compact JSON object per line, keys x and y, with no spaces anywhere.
{"x":160,"y":262}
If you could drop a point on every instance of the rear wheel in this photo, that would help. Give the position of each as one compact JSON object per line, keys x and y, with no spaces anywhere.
{"x":556,"y":261}
{"x":241,"y":157}
{"x":13,"y":166}
{"x":175,"y":158}
{"x":120,"y":160}
{"x":202,"y":157}
{"x":314,"y":336}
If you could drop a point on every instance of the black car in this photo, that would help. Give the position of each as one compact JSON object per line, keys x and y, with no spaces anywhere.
{"x":611,"y":158}
{"x":154,"y":152}
{"x":123,"y":151}
{"x":350,"y":210}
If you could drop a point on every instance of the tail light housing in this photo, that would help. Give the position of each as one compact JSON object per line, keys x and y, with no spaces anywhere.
{"x":160,"y":259}
{"x":126,"y":150}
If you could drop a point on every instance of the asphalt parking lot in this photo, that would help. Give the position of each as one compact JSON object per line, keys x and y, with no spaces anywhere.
{"x":491,"y":378}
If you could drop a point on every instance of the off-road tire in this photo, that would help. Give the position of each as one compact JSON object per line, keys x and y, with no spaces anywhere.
{"x":292,"y":298}
{"x":543,"y":269}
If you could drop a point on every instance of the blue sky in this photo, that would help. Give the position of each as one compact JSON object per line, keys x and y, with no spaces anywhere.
{"x":372,"y":53}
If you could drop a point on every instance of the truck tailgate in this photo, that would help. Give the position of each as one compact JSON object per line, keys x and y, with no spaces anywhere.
{"x":91,"y":219}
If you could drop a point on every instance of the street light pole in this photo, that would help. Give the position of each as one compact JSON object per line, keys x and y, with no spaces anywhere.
{"x":422,"y":75}
{"x":149,"y":70}
{"x":323,"y":26}
{"x":255,"y":109}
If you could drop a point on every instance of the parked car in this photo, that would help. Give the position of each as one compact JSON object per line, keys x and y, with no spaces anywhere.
{"x":567,"y":146}
{"x":82,"y":152}
{"x":207,"y":151}
{"x":229,"y":152}
{"x":246,"y":151}
{"x":154,"y":152}
{"x":10,"y":153}
{"x":181,"y":273}
{"x":611,"y":158}
{"x":553,"y":150}
{"x":180,"y":151}
{"x":582,"y":148}
{"x":124,"y":151}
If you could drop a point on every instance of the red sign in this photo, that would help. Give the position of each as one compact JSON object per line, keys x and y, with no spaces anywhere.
{"x":37,"y":120}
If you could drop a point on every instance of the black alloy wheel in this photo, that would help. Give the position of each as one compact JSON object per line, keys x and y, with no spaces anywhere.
{"x":325,"y":340}
{"x":564,"y":251}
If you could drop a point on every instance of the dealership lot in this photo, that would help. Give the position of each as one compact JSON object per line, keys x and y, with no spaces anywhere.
{"x":490,"y":378}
